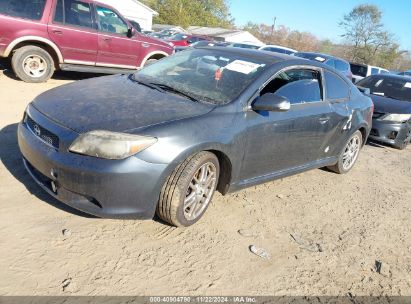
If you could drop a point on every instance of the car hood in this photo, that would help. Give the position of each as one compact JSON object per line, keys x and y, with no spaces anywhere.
{"x":389,"y":105}
{"x":114,"y":103}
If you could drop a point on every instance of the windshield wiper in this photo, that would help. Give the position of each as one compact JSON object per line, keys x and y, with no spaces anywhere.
{"x":168,"y":88}
{"x":147,"y":84}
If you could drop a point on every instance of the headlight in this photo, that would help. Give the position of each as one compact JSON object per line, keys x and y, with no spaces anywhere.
{"x":110,"y":145}
{"x":397,"y":117}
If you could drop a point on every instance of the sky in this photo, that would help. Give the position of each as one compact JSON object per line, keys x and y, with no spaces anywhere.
{"x":321,"y":17}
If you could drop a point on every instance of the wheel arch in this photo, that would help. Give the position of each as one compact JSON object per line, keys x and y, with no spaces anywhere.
{"x":226,"y":169}
{"x":224,"y":160}
{"x":41,"y":42}
{"x":153,"y":55}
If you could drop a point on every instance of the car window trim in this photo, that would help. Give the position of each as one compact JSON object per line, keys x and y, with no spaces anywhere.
{"x":294,"y":67}
{"x":118,"y":15}
{"x":336,"y":100}
{"x":92,"y":29}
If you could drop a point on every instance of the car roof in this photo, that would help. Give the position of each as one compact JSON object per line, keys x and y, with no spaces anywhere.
{"x":278,"y":46}
{"x":326,"y":56}
{"x":261,"y":55}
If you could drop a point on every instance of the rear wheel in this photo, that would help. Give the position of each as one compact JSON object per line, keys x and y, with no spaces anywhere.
{"x":349,"y":154}
{"x":32,"y":64}
{"x":189,"y":190}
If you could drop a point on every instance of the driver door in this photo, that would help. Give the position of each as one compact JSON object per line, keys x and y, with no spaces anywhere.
{"x":115,"y":49}
{"x":280,"y":141}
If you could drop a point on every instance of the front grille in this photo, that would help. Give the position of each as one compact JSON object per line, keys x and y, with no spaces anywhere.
{"x":377,"y":114}
{"x":44,"y":134}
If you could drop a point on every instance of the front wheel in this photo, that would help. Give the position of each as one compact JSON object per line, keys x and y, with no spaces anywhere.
{"x":349,"y":154}
{"x":32,"y":64}
{"x":404,"y":144}
{"x":189,"y":190}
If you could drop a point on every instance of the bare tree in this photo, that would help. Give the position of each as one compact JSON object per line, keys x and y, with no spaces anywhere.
{"x":365,"y":32}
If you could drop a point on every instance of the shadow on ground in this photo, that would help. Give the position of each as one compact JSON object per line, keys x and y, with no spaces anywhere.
{"x":5,"y":68}
{"x":11,"y":158}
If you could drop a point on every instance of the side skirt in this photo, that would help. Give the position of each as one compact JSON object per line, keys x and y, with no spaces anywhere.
{"x":280,"y":174}
{"x":93,"y":69}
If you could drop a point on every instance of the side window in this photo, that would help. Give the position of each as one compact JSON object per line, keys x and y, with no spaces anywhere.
{"x":73,"y":12}
{"x":298,"y":85}
{"x":110,"y":22}
{"x":341,"y":65}
{"x":28,"y":9}
{"x":374,"y":71}
{"x":336,"y":88}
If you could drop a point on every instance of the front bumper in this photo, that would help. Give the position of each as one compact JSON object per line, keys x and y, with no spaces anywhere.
{"x":126,"y":188}
{"x":390,"y":133}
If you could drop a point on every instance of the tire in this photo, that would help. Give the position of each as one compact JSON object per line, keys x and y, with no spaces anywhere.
{"x":178,"y":199}
{"x":401,"y":146}
{"x":405,"y":143}
{"x":32,"y":64}
{"x":342,"y":167}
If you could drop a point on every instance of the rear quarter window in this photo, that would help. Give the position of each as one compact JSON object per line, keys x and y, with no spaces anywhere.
{"x":336,"y":87}
{"x":26,"y":9}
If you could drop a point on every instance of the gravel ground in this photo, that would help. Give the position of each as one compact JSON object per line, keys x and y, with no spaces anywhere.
{"x":327,"y":234}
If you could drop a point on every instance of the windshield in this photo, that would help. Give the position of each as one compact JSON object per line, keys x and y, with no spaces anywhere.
{"x":359,"y":70}
{"x":211,"y":76}
{"x":391,"y":87}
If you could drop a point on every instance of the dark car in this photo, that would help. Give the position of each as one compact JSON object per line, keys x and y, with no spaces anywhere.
{"x":165,"y":138}
{"x":405,"y":73}
{"x":391,"y":95}
{"x":339,"y":64}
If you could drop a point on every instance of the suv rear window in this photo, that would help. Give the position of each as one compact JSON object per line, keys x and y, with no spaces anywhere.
{"x":73,"y":12}
{"x":27,"y":9}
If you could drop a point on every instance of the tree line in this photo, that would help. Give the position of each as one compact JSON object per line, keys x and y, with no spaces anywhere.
{"x":365,"y":39}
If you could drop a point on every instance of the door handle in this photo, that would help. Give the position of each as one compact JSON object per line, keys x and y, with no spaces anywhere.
{"x":107,"y":39}
{"x":57,"y":32}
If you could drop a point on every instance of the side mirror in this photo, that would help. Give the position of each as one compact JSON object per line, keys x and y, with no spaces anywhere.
{"x":271,"y":102}
{"x":130,"y":32}
{"x":365,"y":91}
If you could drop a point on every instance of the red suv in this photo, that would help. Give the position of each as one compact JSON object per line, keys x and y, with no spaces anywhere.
{"x":74,"y":35}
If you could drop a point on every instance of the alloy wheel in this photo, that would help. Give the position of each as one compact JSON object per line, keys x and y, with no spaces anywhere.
{"x":200,"y":191}
{"x":351,"y":152}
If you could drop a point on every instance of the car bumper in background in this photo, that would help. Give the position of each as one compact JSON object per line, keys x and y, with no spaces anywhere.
{"x":390,"y":133}
{"x":126,"y":188}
